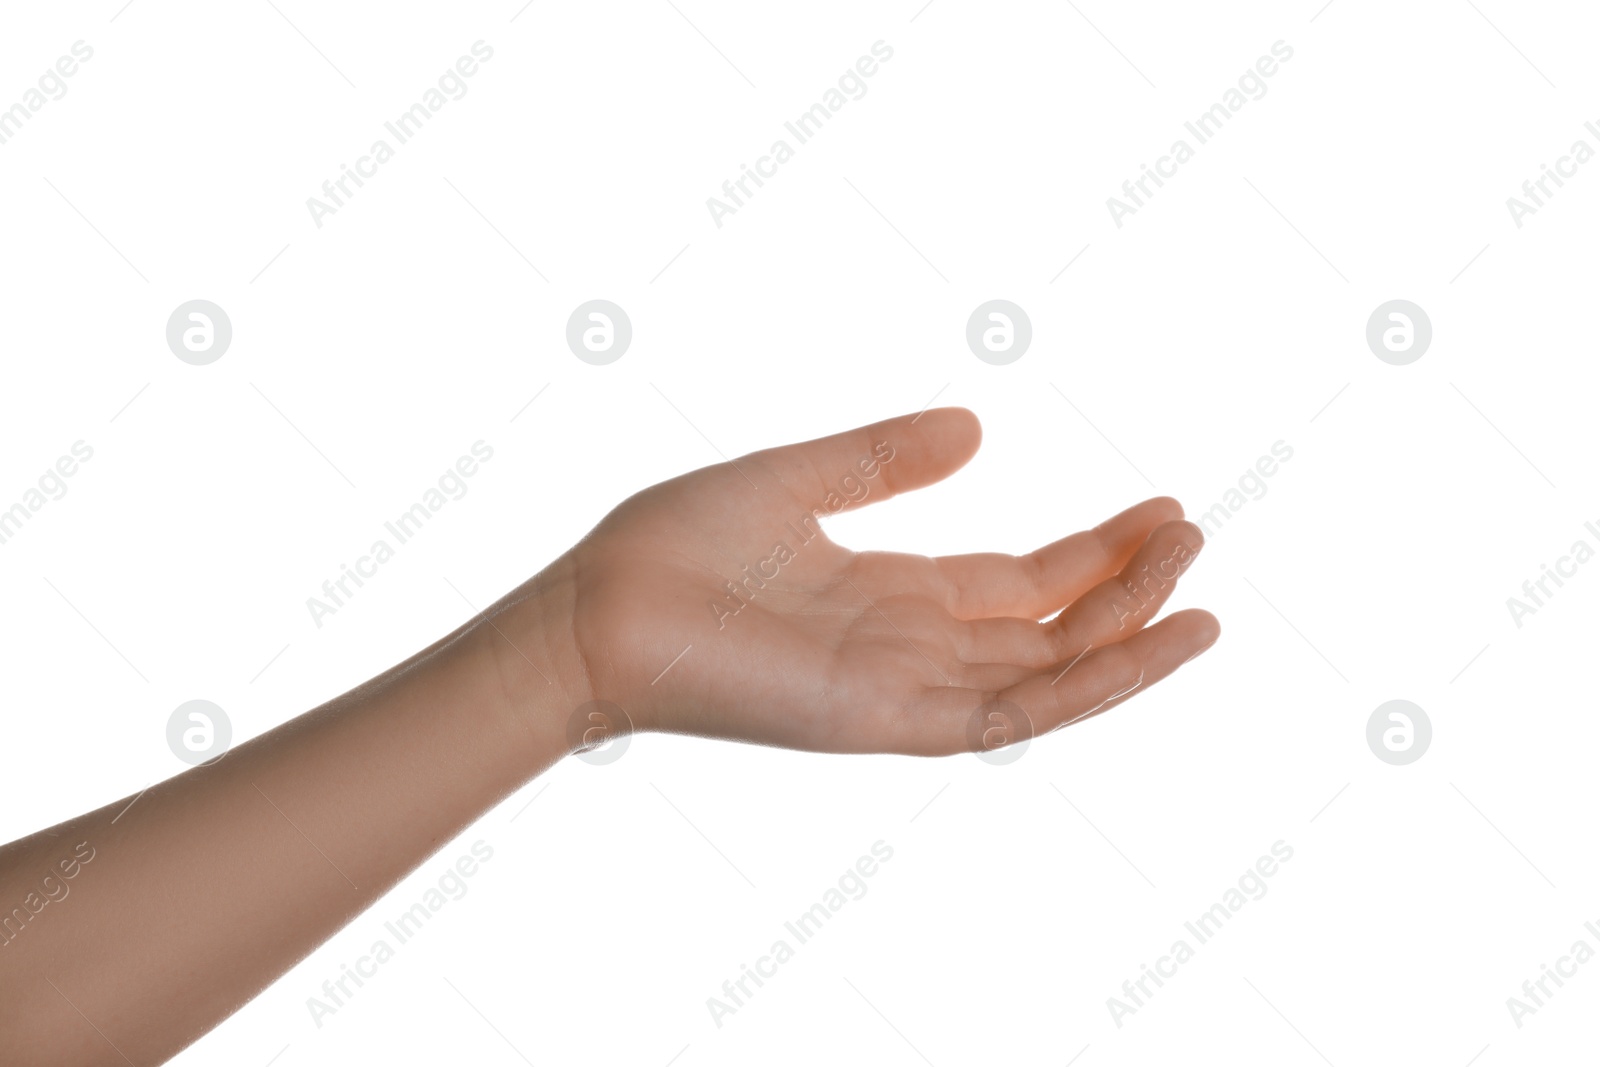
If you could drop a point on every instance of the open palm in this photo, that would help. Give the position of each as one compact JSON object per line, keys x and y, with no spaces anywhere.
{"x":713,"y":604}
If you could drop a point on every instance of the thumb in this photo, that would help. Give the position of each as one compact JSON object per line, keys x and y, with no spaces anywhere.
{"x":884,"y":459}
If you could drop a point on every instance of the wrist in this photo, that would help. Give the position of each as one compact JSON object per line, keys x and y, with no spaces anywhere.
{"x":544,"y":679}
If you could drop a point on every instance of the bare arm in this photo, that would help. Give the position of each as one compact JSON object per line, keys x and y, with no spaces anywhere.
{"x":182,"y":905}
{"x":710,"y":604}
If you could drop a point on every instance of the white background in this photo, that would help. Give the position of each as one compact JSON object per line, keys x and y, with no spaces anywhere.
{"x":1226,"y":315}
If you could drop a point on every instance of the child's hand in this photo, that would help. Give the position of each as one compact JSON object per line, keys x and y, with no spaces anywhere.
{"x":817,"y":647}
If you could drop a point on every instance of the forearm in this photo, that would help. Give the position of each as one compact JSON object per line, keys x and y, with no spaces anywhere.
{"x":211,"y":884}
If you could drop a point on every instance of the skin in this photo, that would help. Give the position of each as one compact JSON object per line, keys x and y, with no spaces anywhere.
{"x":207,"y":887}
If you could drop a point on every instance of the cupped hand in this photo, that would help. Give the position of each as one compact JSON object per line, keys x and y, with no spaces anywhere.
{"x":714,"y":604}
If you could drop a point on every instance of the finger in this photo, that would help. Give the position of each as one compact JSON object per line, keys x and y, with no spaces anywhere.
{"x":942,"y":720}
{"x":1036,"y":585}
{"x":988,"y":677}
{"x":1030,"y":645}
{"x":1128,"y":601}
{"x":1107,"y":676}
{"x":873,"y":463}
